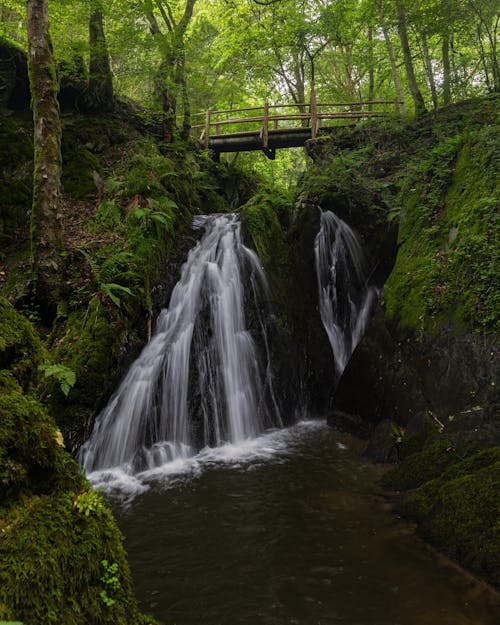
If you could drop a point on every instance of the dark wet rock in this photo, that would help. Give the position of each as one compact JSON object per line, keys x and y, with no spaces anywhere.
{"x":350,"y":423}
{"x":379,"y":382}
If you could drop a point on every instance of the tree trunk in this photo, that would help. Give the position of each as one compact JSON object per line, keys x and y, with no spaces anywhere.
{"x":100,"y":87}
{"x":166,"y":95}
{"x":445,"y":50}
{"x":46,"y":218}
{"x":428,"y":62}
{"x":392,"y":58}
{"x":371,"y":71}
{"x":418,"y":100}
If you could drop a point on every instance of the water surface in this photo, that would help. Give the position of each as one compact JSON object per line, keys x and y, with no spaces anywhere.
{"x":287,"y":529}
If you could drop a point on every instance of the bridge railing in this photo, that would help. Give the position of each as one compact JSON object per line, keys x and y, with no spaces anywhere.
{"x":270,"y":118}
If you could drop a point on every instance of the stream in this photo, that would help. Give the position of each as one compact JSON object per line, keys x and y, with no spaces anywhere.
{"x":289,"y":528}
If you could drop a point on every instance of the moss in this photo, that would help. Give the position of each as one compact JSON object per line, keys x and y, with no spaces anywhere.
{"x":422,"y":466}
{"x":16,"y":176}
{"x":460,"y":512}
{"x":55,"y":532}
{"x":20,"y":347}
{"x":31,"y":459}
{"x":52,"y":571}
{"x":91,"y":345}
{"x":263,"y":216}
{"x":79,"y":166}
{"x":447,"y":264}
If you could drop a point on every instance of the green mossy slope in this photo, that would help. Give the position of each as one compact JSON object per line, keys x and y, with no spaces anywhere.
{"x":55,"y":533}
{"x":447,"y":267}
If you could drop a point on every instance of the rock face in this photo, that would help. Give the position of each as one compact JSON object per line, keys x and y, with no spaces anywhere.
{"x":15,"y":93}
{"x":445,"y":385}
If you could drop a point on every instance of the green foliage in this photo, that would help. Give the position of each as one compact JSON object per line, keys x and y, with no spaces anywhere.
{"x":89,"y":502}
{"x":64,"y":376}
{"x":111,"y":582}
{"x":112,"y":271}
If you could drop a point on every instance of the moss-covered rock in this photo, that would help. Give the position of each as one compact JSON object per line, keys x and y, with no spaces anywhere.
{"x":63,"y":562}
{"x":31,"y":457}
{"x":430,"y":361}
{"x":16,"y":177}
{"x":446,"y":270}
{"x":61,"y":556}
{"x":20,"y":346}
{"x":422,"y":466}
{"x":266,"y":218}
{"x":459,"y":511}
{"x":80,"y":169}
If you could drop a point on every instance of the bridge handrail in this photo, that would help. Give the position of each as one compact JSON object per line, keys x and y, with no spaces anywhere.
{"x":313,"y":115}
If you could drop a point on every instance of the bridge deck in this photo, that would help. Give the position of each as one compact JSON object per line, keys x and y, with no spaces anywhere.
{"x":222,"y":130}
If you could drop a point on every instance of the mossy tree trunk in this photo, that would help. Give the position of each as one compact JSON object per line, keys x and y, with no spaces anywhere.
{"x":100,"y":88}
{"x":46,"y":217}
{"x":418,"y":100}
{"x":170,"y":82}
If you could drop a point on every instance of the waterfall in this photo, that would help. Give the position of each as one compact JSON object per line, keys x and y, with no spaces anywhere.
{"x":346,"y":300}
{"x":201,"y":381}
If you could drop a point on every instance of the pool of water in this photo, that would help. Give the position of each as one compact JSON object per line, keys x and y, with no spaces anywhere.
{"x":288,"y":529}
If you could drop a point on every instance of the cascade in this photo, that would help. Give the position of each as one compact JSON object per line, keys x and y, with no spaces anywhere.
{"x":202,"y":380}
{"x":346,"y":300}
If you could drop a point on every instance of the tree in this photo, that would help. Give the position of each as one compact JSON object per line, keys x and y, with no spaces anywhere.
{"x":418,"y":100}
{"x":392,"y":56}
{"x":46,"y":218}
{"x":171,"y":78}
{"x":100,"y":87}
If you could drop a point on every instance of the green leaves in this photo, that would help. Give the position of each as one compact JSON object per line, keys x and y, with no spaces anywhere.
{"x":64,"y":376}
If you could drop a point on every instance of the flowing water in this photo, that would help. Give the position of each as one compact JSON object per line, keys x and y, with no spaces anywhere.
{"x":287,"y":529}
{"x":346,"y":300}
{"x":200,"y":381}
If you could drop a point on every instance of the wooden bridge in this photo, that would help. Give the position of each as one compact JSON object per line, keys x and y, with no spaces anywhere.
{"x":273,"y":126}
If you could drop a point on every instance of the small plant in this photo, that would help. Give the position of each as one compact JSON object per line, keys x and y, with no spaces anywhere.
{"x":88,"y":502}
{"x":111,"y":582}
{"x":65,"y":376}
{"x":114,"y":267}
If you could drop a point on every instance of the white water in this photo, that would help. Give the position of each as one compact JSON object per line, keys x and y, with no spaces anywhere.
{"x":198,"y":383}
{"x":346,"y":300}
{"x":274,"y":446}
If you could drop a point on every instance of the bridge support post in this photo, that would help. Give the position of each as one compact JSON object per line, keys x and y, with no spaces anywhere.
{"x":207,"y":129}
{"x":313,"y":112}
{"x":265,"y":127}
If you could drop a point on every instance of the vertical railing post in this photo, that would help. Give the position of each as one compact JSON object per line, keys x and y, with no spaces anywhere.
{"x":207,"y":129}
{"x":313,"y":114}
{"x":265,"y":127}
